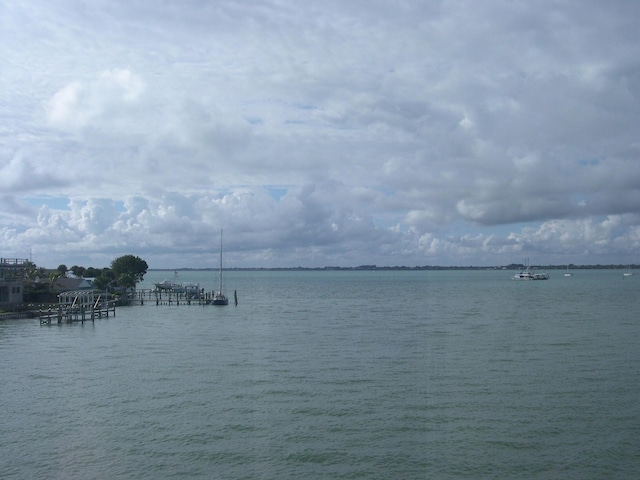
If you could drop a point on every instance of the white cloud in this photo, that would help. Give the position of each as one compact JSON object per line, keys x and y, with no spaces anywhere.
{"x":105,"y":102}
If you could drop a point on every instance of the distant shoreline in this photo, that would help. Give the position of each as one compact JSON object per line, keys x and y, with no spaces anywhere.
{"x":399,"y":268}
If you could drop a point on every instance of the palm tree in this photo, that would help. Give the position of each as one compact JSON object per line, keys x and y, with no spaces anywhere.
{"x":53,"y":277}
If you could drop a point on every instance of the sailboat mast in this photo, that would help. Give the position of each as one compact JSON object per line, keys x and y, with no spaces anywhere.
{"x":220,"y":270}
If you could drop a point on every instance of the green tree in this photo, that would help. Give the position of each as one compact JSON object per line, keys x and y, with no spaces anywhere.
{"x":35,"y":278}
{"x":129,"y":265}
{"x":126,"y":280}
{"x":78,"y":271}
{"x":92,"y":272}
{"x":104,"y":279}
{"x":53,"y":277}
{"x":62,"y":270}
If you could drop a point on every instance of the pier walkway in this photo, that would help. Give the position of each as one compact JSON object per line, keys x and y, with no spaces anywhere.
{"x":168,"y":297}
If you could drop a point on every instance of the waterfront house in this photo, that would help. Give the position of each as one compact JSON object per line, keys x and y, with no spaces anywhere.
{"x":12,"y":281}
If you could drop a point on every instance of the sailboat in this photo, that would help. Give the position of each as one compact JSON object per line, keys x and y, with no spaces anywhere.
{"x":628,"y":273}
{"x":568,"y":273}
{"x":220,"y":298}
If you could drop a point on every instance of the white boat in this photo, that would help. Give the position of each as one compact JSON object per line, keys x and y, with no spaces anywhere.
{"x":177,"y":287}
{"x":219,"y":298}
{"x":568,"y":273}
{"x":628,"y":273}
{"x":528,"y":274}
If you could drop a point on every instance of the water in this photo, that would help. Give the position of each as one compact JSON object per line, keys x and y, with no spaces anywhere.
{"x":322,"y":375}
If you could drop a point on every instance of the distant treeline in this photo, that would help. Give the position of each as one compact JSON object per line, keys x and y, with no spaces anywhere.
{"x":513,"y":266}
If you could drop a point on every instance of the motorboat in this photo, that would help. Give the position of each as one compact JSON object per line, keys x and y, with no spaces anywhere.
{"x":529,"y":274}
{"x":178,"y":287}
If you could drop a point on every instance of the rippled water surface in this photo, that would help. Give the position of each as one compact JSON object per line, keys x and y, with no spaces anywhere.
{"x":335,"y":375}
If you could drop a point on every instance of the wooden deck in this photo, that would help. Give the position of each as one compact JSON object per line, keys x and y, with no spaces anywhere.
{"x":78,"y":306}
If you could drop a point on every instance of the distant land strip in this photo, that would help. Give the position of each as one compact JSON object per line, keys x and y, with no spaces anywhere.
{"x":513,"y":266}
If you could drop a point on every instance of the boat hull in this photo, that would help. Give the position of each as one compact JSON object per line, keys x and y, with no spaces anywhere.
{"x":219,"y":298}
{"x":530,"y":276}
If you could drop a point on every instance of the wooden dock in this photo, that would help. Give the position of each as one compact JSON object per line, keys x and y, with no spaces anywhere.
{"x":168,"y":297}
{"x":78,"y":306}
{"x":81,"y":306}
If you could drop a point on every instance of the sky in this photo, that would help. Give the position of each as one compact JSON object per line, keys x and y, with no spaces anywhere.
{"x":334,"y":133}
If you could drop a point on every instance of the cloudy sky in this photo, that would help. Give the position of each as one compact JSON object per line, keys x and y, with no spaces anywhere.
{"x":432,"y":132}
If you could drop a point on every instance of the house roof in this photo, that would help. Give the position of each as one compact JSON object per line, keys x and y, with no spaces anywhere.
{"x":65,"y":284}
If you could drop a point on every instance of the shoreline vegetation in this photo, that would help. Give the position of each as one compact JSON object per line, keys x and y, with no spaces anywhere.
{"x":513,"y":266}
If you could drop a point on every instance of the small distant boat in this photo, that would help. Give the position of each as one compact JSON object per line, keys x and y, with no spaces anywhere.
{"x":528,"y":274}
{"x":220,"y":298}
{"x":628,"y":273}
{"x":568,"y":273}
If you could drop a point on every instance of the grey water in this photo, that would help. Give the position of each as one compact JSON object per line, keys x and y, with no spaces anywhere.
{"x":335,"y":374}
